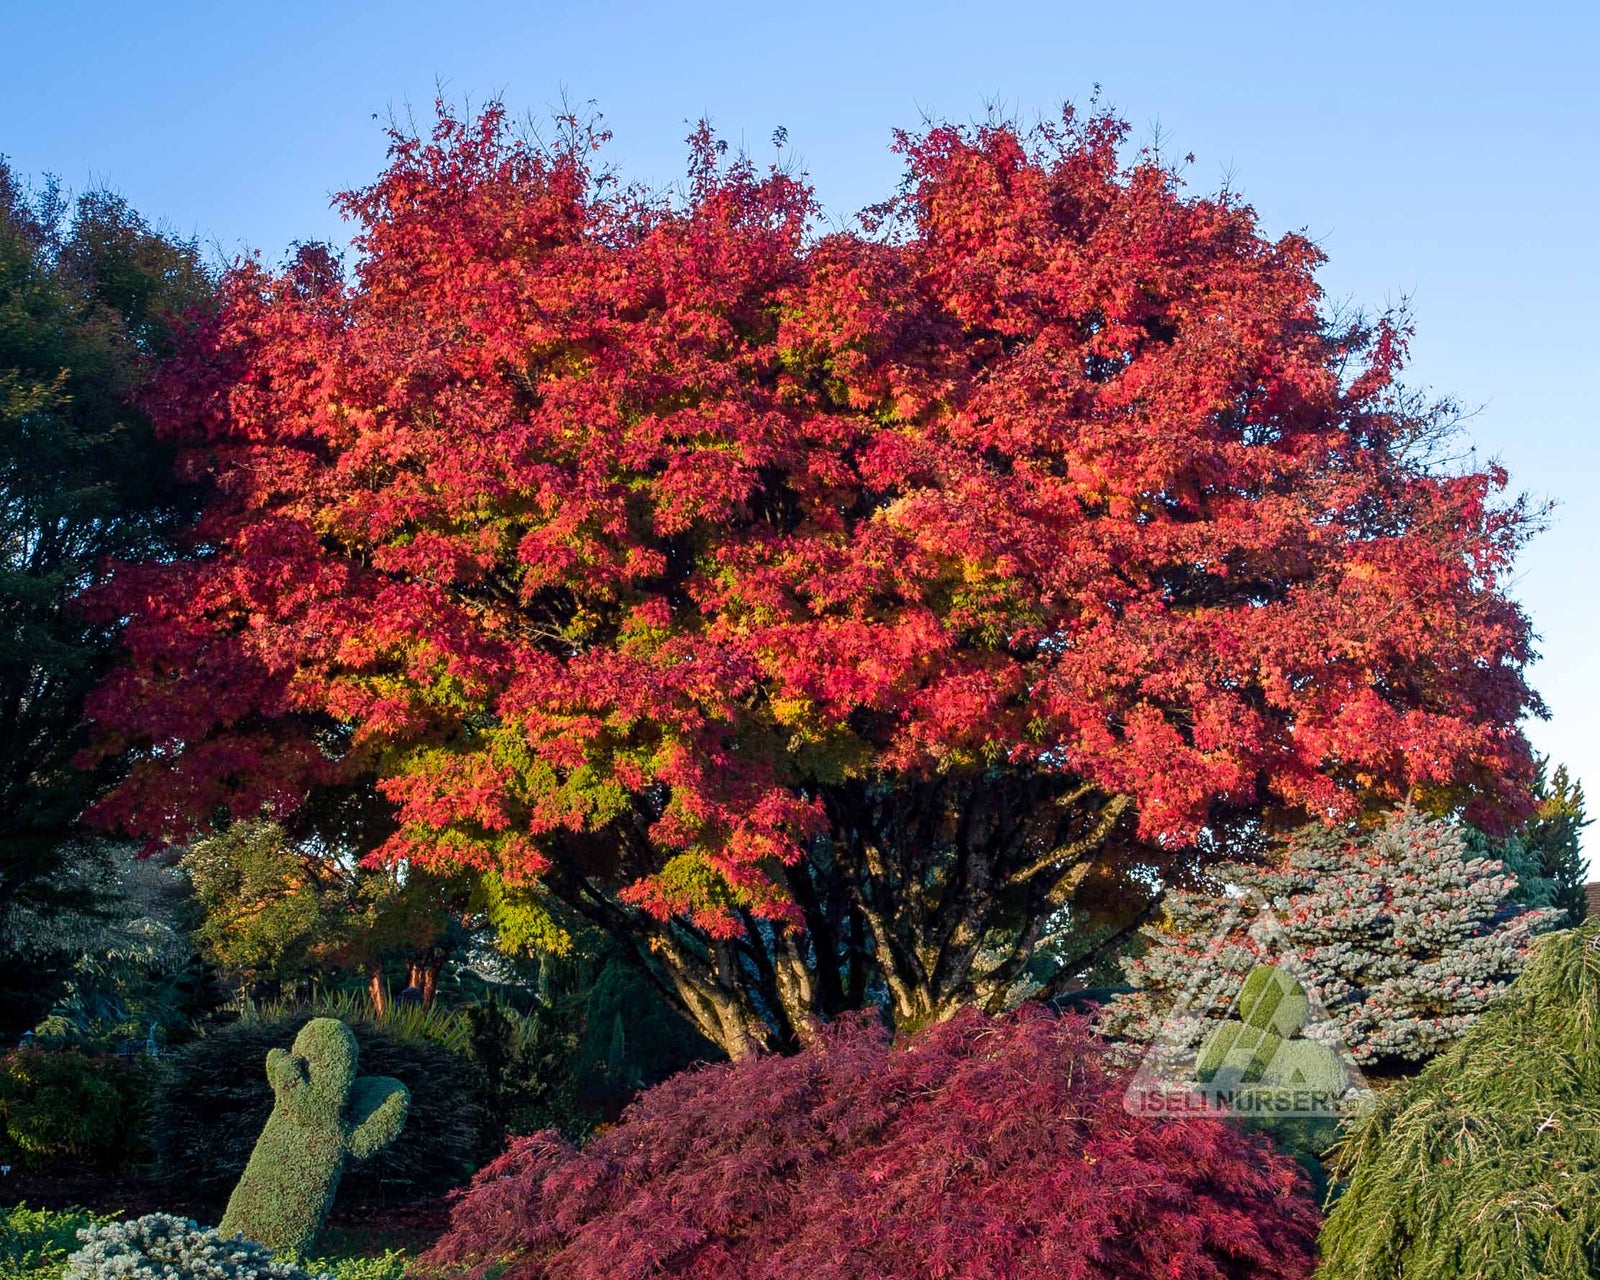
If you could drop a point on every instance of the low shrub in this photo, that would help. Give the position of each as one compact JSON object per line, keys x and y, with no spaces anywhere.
{"x":58,"y":1104}
{"x":159,"y":1246}
{"x":388,"y":1265}
{"x":995,"y":1148}
{"x":35,"y":1243}
{"x":214,"y":1100}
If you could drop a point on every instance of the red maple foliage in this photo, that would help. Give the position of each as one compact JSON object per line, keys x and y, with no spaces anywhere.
{"x":987,"y":1149}
{"x":632,"y":545}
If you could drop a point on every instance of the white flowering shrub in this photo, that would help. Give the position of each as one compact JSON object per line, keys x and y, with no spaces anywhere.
{"x":160,"y":1246}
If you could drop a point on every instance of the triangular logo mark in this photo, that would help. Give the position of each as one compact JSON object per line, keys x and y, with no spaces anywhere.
{"x":1248,"y":1034}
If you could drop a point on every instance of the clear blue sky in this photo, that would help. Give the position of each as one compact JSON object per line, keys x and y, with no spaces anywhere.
{"x":1449,"y":152}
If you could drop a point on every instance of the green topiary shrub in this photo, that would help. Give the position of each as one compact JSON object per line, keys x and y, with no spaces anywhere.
{"x":1487,"y":1165}
{"x":212,"y":1103}
{"x":159,"y":1246}
{"x":324,"y":1115}
{"x":64,"y":1104}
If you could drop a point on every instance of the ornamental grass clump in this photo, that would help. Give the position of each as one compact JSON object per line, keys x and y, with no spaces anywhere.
{"x":159,"y":1246}
{"x":983,"y":1147}
{"x":1487,"y":1165}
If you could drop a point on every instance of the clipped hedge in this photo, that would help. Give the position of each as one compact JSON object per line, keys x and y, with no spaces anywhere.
{"x":325,"y":1117}
{"x":215,"y":1100}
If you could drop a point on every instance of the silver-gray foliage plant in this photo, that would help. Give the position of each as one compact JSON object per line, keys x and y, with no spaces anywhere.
{"x":160,"y":1246}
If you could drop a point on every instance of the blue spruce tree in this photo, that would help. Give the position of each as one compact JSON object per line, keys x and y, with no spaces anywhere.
{"x":1401,"y":933}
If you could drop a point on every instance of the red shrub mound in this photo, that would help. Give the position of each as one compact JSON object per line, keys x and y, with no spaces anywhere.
{"x":987,"y":1148}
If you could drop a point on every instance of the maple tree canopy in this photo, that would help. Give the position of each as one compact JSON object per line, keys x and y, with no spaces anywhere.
{"x":657,"y":542}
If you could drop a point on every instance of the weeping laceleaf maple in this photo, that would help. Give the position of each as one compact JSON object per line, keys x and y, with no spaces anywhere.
{"x":986,"y":1147}
{"x":812,"y":611}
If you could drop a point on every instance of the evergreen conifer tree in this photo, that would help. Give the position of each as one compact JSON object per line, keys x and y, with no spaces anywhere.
{"x":1545,"y":852}
{"x":1404,"y":935}
{"x":90,"y":295}
{"x":1487,"y":1165}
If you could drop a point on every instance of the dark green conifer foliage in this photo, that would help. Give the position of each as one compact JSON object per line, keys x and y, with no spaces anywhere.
{"x":1546,"y":853}
{"x":1487,"y":1165}
{"x":88,"y":295}
{"x":1554,"y":835}
{"x":324,"y":1115}
{"x":632,"y":1037}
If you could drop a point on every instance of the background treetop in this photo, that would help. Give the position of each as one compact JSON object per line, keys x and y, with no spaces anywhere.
{"x":88,"y":292}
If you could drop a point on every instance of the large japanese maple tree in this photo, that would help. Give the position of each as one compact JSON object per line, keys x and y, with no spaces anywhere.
{"x":825,"y":614}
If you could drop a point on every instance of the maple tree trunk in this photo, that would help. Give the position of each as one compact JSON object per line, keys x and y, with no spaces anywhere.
{"x":716,"y":1000}
{"x":422,"y":976}
{"x":711,"y":981}
{"x":379,"y":992}
{"x":954,"y":879}
{"x":939,"y":892}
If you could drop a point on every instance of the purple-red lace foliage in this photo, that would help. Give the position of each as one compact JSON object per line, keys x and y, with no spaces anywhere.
{"x":986,"y":1148}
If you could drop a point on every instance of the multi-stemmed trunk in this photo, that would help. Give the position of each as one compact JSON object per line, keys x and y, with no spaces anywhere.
{"x":924,"y":897}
